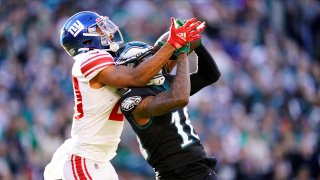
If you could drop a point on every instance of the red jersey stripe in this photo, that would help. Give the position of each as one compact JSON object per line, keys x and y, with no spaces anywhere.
{"x":73,"y":171}
{"x":94,"y":57}
{"x":78,"y":114}
{"x":95,"y":63}
{"x":79,"y":169}
{"x":85,"y":168}
{"x":96,"y":68}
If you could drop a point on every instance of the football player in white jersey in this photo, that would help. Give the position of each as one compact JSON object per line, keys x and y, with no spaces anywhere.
{"x":91,"y":40}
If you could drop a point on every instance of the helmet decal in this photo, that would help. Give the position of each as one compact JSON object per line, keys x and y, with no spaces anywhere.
{"x":76,"y":28}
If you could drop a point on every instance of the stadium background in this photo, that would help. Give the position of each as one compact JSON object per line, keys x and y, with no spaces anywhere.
{"x":261,"y":119}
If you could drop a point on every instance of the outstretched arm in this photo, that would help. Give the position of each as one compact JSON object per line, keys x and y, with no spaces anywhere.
{"x":207,"y":73}
{"x":120,"y":76}
{"x":176,"y":97}
{"x":123,"y":76}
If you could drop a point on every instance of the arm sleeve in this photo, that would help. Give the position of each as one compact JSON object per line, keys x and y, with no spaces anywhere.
{"x":207,"y":73}
{"x":95,"y":62}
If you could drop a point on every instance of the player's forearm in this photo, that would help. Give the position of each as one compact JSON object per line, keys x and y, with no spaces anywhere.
{"x":158,"y":105}
{"x":180,"y":87}
{"x":176,"y":97}
{"x":149,"y":68}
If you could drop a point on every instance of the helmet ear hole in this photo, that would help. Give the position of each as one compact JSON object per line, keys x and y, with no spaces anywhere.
{"x":87,"y":42}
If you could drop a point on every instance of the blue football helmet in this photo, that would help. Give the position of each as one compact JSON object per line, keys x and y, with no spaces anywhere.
{"x":88,"y":30}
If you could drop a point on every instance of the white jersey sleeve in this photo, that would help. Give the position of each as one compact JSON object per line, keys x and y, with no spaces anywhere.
{"x":92,"y":62}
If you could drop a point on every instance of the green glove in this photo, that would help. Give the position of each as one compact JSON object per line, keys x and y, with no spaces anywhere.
{"x":180,"y":23}
{"x":183,"y":49}
{"x":177,"y":52}
{"x":161,"y":43}
{"x":199,"y":43}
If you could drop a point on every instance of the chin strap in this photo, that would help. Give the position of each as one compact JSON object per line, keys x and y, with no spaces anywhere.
{"x":82,"y":50}
{"x":114,"y":47}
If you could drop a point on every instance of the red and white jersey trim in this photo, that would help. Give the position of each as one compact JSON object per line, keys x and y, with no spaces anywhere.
{"x":92,"y":62}
{"x":96,"y":67}
{"x":79,"y":168}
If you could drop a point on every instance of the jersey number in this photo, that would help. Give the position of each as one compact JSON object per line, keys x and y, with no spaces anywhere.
{"x":116,"y":114}
{"x":176,"y":120}
{"x":78,"y":114}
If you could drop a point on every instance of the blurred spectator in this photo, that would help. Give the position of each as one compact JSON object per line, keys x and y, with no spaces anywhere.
{"x":261,"y":119}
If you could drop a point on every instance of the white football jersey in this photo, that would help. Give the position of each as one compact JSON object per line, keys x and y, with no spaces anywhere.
{"x":97,"y":122}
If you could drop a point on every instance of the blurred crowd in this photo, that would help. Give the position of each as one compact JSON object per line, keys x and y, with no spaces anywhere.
{"x":261,"y":119}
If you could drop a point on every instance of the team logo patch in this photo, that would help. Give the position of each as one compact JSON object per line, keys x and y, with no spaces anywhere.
{"x":130,"y":102}
{"x":76,"y":28}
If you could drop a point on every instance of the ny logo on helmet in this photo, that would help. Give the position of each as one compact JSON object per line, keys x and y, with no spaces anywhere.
{"x":76,"y":28}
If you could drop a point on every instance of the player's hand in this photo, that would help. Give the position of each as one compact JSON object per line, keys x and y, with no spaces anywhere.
{"x":180,"y":36}
{"x":176,"y":53}
{"x":183,"y":49}
{"x":180,"y":23}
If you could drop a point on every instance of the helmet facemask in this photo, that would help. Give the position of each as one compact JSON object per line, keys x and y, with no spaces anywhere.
{"x":109,"y":33}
